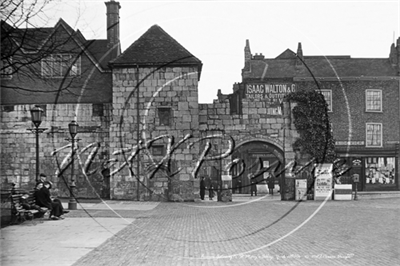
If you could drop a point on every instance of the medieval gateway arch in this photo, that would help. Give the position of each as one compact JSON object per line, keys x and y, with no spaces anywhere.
{"x":255,"y":155}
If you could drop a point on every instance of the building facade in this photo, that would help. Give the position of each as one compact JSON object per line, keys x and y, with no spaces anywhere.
{"x":143,"y":135}
{"x":363,"y":105}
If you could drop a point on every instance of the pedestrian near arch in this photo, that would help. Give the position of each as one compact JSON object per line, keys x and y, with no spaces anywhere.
{"x":271,"y":184}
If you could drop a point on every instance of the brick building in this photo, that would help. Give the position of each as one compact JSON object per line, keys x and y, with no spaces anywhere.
{"x":138,"y":112}
{"x":363,"y":105}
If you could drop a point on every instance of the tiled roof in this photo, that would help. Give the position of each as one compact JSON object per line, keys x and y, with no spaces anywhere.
{"x":156,"y":47}
{"x":331,"y":66}
{"x":31,"y":38}
{"x":287,"y":54}
{"x":98,"y":49}
{"x":34,"y":39}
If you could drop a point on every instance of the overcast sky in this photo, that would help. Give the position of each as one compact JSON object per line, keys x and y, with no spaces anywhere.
{"x":216,"y":31}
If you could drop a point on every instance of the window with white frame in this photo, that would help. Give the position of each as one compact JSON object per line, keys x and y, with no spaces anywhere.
{"x":328,"y":98}
{"x":373,"y":135}
{"x":373,"y":100}
{"x":61,"y":65}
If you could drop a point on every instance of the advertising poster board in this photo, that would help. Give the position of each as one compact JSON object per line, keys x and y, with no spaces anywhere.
{"x":343,"y":192}
{"x":301,"y":189}
{"x":323,"y":181}
{"x":226,"y":181}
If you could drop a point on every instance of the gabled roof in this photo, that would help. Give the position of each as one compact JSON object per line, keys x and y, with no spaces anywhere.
{"x":98,"y":48}
{"x":33,"y":40}
{"x":156,"y":47}
{"x":287,"y":54}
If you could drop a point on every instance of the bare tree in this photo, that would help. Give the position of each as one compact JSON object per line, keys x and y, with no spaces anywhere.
{"x":27,"y":51}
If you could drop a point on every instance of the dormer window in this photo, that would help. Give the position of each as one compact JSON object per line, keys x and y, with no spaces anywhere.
{"x":61,"y":65}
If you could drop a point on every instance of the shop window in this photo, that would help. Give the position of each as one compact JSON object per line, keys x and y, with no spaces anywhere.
{"x":164,"y":116}
{"x":374,"y":135}
{"x":61,"y":65}
{"x":328,"y":98}
{"x":380,"y":171}
{"x":373,"y":100}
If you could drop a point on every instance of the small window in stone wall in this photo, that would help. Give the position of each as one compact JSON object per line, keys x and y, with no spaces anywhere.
{"x":8,"y":108}
{"x":157,"y":150}
{"x":98,"y":109}
{"x":164,"y":116}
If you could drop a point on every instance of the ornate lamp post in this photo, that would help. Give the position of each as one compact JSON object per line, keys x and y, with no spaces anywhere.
{"x":36,"y":115}
{"x":73,"y":130}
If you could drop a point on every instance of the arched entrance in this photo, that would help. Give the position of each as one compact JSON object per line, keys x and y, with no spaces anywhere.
{"x":253,"y":156}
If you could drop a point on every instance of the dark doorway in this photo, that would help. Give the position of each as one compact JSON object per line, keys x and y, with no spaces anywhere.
{"x":253,"y":156}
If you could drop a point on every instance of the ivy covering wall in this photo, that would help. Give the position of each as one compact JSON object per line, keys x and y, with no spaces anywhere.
{"x":312,"y":122}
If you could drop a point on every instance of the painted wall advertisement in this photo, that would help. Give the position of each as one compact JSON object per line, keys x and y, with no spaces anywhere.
{"x":272,"y":94}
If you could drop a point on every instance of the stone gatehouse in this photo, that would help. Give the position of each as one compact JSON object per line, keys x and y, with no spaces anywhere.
{"x":143,"y":135}
{"x":169,"y":109}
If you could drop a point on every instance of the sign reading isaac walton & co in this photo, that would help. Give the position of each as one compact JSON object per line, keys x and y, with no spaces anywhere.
{"x":272,"y":94}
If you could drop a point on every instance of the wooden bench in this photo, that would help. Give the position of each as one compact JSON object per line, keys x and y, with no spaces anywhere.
{"x":23,"y":206}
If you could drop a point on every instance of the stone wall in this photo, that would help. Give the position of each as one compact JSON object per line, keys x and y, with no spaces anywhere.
{"x":171,"y":88}
{"x":254,"y":125}
{"x":18,"y":153}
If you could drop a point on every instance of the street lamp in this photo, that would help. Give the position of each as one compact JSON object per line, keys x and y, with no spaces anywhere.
{"x":73,"y":130}
{"x":36,"y":115}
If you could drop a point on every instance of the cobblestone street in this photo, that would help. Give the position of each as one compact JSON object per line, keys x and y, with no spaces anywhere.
{"x":265,"y":232}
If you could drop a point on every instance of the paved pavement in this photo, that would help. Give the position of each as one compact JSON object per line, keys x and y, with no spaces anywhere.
{"x":248,"y":231}
{"x":47,"y":242}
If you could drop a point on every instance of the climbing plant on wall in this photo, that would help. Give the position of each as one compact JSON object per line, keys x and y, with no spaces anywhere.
{"x":312,"y":122}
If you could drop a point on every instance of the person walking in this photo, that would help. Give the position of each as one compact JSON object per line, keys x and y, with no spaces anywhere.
{"x":271,"y":184}
{"x":253,"y":187}
{"x":209,"y":186}
{"x":202,"y":188}
{"x":239,"y":185}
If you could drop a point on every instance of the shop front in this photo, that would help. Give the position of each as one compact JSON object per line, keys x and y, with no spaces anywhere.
{"x":378,"y":170}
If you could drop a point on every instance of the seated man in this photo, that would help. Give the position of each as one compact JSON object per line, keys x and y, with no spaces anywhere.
{"x":43,"y":199}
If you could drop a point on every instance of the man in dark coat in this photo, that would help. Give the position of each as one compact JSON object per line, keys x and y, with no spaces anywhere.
{"x":209,"y":186}
{"x":253,"y":188}
{"x":239,"y":185}
{"x":271,"y":184}
{"x":42,"y":198}
{"x":202,"y":187}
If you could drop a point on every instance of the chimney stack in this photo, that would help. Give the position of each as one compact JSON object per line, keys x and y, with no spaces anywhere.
{"x":299,"y":55}
{"x":247,"y":52}
{"x":113,"y":44}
